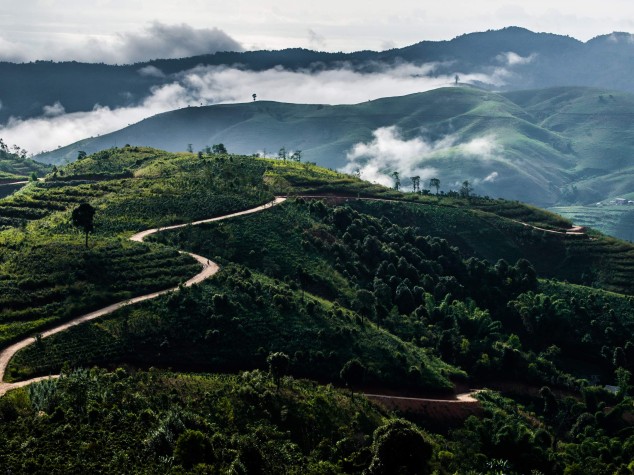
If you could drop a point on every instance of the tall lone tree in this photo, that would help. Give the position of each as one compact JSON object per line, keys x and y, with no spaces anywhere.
{"x":397,"y":180}
{"x":434,"y":183}
{"x":466,"y":189}
{"x":415,"y":183}
{"x":83,"y":218}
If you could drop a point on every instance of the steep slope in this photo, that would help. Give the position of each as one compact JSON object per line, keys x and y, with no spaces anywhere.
{"x":597,"y":125}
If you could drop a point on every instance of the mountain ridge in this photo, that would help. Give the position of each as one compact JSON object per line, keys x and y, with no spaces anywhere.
{"x":546,"y":147}
{"x":541,"y":60}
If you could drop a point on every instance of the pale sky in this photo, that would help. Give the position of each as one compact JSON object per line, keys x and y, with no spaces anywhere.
{"x":135,"y":30}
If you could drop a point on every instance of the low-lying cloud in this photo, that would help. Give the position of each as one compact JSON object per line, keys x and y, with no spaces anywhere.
{"x":513,"y":59}
{"x":389,"y":152}
{"x":221,"y":84}
{"x":53,"y":110}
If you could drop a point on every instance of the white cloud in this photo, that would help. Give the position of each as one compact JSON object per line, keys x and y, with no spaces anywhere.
{"x":491,"y":178}
{"x":156,"y":40}
{"x":151,"y":71}
{"x":11,"y":51}
{"x":513,"y":59}
{"x":221,"y":84}
{"x":54,"y":110}
{"x":172,"y":41}
{"x":389,"y":151}
{"x":485,"y":148}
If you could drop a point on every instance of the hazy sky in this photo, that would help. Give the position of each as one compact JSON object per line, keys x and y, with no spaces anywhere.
{"x":134,"y":30}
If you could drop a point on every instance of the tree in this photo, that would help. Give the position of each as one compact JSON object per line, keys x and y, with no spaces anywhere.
{"x":190,"y":148}
{"x":81,"y":155}
{"x":400,"y":447}
{"x":352,"y":374}
{"x":33,"y":177}
{"x":192,"y":448}
{"x":278,"y":366}
{"x":297,"y":156}
{"x":365,"y":304}
{"x":219,"y":148}
{"x":281,"y":154}
{"x":254,"y":96}
{"x":457,"y":78}
{"x":415,"y":183}
{"x":82,"y":217}
{"x":466,"y":189}
{"x":397,"y":180}
{"x":434,"y":183}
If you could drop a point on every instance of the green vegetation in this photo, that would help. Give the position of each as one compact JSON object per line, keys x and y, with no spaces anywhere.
{"x":234,"y":323}
{"x":593,"y":260}
{"x":47,"y":278}
{"x":411,"y":294}
{"x":159,"y":422}
{"x":14,"y":166}
{"x":559,"y":146}
{"x":617,"y":221}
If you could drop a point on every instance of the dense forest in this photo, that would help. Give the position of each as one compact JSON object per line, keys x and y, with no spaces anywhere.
{"x":345,"y":288}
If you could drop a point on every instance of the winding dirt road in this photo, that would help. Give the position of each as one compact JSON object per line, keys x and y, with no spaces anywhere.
{"x":209,"y":268}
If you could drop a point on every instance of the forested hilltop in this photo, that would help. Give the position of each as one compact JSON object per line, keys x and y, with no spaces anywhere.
{"x":344,"y":288}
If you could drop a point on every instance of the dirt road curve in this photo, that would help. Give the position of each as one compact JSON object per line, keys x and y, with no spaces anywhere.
{"x":458,"y":398}
{"x":209,"y":268}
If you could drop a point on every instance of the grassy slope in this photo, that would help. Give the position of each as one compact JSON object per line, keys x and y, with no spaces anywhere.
{"x":615,"y":221}
{"x":15,"y":168}
{"x":324,"y":133}
{"x":544,"y":142}
{"x":596,"y":122}
{"x":47,"y":275}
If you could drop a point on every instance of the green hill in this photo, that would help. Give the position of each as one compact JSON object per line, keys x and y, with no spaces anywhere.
{"x":16,"y":167}
{"x":559,"y":146}
{"x":345,"y":283}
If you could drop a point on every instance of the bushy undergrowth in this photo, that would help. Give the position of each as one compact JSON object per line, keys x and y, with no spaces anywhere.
{"x":157,"y":422}
{"x":233,"y":323}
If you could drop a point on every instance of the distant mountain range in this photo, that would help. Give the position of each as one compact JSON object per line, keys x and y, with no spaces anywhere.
{"x":520,"y":58}
{"x":546,"y":147}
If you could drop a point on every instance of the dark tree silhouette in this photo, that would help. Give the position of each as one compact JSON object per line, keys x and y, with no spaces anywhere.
{"x":397,"y":180}
{"x":219,"y":148}
{"x":254,"y":96}
{"x":400,"y":447}
{"x":466,"y":189}
{"x":415,"y":183}
{"x":352,"y":374}
{"x":278,"y":366}
{"x":434,"y":183}
{"x":83,"y":218}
